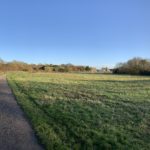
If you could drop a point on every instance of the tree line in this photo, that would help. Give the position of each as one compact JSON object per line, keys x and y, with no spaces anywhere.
{"x":135,"y":66}
{"x":22,"y":66}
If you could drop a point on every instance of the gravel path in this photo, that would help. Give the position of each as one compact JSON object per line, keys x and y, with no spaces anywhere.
{"x":15,"y":131}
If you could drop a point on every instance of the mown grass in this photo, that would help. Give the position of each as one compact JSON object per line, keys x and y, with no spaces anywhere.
{"x":86,"y":112}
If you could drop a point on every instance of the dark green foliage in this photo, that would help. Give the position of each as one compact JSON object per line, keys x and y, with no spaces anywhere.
{"x":87,"y":68}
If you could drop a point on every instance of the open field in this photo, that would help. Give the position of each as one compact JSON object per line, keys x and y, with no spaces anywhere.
{"x":86,"y":112}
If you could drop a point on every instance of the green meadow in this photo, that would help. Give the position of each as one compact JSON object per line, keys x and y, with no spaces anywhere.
{"x":85,"y":111}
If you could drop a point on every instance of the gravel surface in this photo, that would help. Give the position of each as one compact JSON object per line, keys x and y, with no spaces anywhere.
{"x":15,"y":131}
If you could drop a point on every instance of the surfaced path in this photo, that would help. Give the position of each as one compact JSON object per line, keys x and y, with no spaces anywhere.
{"x":15,"y":131}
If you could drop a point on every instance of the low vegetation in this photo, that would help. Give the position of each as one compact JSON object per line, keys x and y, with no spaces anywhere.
{"x":21,"y":66}
{"x":135,"y":66}
{"x":84,"y":112}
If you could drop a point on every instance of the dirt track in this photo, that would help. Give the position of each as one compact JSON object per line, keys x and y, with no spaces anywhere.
{"x":15,"y":131}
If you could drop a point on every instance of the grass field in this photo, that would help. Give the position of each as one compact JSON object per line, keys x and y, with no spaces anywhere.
{"x":84,"y":111}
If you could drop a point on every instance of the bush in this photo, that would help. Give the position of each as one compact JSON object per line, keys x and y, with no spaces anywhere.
{"x":135,"y":66}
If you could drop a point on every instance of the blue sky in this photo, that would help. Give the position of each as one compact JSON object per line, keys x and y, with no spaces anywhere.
{"x":88,"y":32}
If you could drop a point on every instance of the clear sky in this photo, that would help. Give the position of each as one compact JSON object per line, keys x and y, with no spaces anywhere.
{"x":88,"y":32}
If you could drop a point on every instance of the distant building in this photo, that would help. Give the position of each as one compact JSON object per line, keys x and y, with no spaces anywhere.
{"x":104,"y":70}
